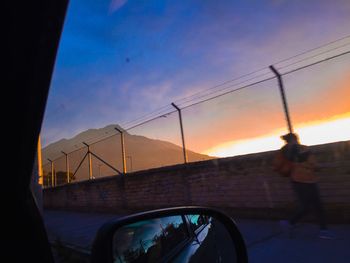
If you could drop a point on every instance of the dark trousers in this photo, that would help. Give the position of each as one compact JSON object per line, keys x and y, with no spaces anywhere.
{"x":309,"y":199}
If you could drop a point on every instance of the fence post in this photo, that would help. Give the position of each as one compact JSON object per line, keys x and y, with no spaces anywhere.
{"x":89,"y":159}
{"x":283,"y":96}
{"x":67,"y":166}
{"x":182,"y":132}
{"x":130,"y":160}
{"x":123,"y":148}
{"x":52,"y":173}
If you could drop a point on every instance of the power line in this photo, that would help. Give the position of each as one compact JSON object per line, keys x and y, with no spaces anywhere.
{"x":105,"y":138}
{"x":146,"y":121}
{"x":156,"y":111}
{"x":83,"y":147}
{"x":160,"y":110}
{"x":216,"y":91}
{"x":201,"y":94}
{"x":219,"y":85}
{"x":266,"y":68}
{"x":317,"y":62}
{"x":316,"y":55}
{"x":245,"y":86}
{"x":222,"y":94}
{"x":228,"y":92}
{"x":261,"y":75}
{"x":195,"y":96}
{"x":285,"y":73}
{"x":312,"y":49}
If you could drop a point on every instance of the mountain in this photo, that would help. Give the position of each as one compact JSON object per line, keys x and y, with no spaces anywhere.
{"x":141,"y":153}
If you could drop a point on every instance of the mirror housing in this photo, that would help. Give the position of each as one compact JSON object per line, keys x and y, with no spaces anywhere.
{"x":110,"y":235}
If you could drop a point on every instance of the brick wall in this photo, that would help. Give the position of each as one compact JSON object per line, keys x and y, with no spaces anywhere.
{"x":243,"y":186}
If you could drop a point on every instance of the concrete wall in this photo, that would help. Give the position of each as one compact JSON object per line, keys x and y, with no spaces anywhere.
{"x":243,"y":186}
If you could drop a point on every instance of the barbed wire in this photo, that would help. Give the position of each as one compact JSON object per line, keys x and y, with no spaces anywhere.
{"x":201,"y":94}
{"x":234,"y":88}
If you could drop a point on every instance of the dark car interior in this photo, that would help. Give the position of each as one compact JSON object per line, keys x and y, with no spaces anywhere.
{"x":34,"y":37}
{"x":35,"y":32}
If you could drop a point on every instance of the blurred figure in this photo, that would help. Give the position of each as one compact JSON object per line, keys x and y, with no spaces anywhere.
{"x":297,"y":162}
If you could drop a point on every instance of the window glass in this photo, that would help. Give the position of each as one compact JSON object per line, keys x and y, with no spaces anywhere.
{"x":148,"y":241}
{"x":196,"y":221}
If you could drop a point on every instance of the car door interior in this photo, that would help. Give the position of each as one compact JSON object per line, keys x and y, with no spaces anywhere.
{"x":35,"y":31}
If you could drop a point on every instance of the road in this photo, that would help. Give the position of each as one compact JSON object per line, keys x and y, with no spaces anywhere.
{"x":265,"y":240}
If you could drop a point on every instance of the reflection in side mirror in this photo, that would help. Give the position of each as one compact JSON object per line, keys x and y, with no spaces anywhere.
{"x":171,"y":235}
{"x":186,"y":238}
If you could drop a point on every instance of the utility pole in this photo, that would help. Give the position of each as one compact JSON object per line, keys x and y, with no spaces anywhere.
{"x":182,"y":132}
{"x":123,"y":148}
{"x":67,"y":166}
{"x":89,"y":159}
{"x":130,"y":158}
{"x":99,"y":170}
{"x":283,"y":96}
{"x":52,"y":173}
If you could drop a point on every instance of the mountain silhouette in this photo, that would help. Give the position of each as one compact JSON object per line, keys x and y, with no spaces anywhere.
{"x":141,"y":153}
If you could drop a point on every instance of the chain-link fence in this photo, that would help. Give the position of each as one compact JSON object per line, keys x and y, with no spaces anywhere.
{"x":237,"y":117}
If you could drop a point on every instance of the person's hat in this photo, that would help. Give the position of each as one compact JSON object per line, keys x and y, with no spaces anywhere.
{"x":287,"y":137}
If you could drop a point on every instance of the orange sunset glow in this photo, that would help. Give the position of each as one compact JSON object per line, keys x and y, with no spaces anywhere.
{"x":327,"y":131}
{"x":320,"y":113}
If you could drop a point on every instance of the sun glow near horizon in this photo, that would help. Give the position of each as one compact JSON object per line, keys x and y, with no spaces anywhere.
{"x":313,"y":133}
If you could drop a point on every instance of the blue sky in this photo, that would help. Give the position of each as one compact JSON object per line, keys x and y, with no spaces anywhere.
{"x":120,"y":59}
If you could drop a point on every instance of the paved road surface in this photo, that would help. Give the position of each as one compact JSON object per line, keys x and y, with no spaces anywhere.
{"x":265,"y":240}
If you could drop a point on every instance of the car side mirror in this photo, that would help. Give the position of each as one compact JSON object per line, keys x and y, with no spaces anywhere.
{"x":181,"y":234}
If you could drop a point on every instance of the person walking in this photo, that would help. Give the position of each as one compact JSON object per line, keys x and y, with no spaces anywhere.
{"x":296,"y":161}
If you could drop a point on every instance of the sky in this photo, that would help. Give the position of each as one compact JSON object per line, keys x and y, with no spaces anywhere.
{"x":120,"y":59}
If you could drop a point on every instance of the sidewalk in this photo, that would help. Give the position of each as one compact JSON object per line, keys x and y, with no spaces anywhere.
{"x":267,"y":243}
{"x":74,"y":229}
{"x":265,"y":240}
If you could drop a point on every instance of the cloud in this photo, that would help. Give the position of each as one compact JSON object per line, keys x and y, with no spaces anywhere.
{"x":173,"y":51}
{"x":115,"y":5}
